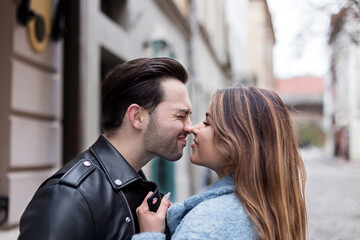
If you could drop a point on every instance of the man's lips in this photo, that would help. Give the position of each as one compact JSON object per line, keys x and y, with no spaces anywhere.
{"x":182,"y":138}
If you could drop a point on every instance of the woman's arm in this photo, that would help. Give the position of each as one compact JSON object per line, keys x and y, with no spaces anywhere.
{"x":152,"y":224}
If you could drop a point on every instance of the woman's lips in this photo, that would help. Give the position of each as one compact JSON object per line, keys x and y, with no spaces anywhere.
{"x":195,"y":142}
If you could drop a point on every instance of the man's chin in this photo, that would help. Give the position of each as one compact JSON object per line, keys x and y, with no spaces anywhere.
{"x":172,"y":158}
{"x":176,"y":157}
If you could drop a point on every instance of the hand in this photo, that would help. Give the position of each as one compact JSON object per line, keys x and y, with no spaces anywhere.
{"x":153,"y":221}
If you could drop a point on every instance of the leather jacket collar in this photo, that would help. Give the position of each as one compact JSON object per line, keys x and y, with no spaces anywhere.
{"x":117,"y":169}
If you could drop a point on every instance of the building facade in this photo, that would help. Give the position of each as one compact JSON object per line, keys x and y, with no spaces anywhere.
{"x":54,"y":55}
{"x":342,"y":101}
{"x":261,"y":39}
{"x":31,"y":103}
{"x":304,"y":98}
{"x":251,"y":41}
{"x":50,"y":88}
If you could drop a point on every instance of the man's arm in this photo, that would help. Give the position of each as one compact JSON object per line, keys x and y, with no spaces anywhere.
{"x":57,"y":212}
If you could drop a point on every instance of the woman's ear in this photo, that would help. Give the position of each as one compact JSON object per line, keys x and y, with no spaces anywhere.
{"x":135,"y":116}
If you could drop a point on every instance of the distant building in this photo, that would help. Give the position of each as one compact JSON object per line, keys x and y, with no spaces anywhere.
{"x":209,"y":69}
{"x":251,"y":41}
{"x":304,"y":97}
{"x":237,"y":20}
{"x":342,"y":100}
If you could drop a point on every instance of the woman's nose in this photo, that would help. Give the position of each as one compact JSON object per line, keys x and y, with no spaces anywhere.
{"x":195,"y":129}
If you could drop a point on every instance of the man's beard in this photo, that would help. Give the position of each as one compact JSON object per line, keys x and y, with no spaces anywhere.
{"x":159,"y":145}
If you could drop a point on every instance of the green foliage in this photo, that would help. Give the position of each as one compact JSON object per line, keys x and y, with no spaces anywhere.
{"x":309,"y":133}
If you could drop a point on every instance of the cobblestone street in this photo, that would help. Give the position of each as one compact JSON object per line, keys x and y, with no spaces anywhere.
{"x":333,"y":197}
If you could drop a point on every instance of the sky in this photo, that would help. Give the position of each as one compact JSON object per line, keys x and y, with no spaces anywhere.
{"x":301,"y":31}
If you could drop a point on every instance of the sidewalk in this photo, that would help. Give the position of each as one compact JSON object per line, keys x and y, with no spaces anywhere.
{"x":318,"y":155}
{"x":10,"y":234}
{"x":332,"y":194}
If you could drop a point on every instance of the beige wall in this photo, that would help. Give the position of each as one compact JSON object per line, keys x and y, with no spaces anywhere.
{"x":211,"y":15}
{"x":342,"y":102}
{"x":260,"y":43}
{"x":31,"y":90}
{"x":237,"y":20}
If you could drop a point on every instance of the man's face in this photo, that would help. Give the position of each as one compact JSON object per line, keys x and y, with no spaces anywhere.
{"x":169,"y":123}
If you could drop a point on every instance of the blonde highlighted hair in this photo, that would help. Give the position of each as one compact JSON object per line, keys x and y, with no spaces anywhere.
{"x":255,"y":134}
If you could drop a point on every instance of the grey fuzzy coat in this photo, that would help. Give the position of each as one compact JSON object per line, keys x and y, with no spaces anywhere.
{"x":214,"y":214}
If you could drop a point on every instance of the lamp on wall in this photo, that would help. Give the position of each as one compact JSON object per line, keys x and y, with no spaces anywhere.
{"x":24,"y":14}
{"x":36,"y":16}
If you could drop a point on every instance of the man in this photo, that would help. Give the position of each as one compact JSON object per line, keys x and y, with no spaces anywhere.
{"x":146,"y":111}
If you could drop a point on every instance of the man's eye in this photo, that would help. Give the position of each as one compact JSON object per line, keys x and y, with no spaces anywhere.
{"x":181,"y":117}
{"x":206,"y":123}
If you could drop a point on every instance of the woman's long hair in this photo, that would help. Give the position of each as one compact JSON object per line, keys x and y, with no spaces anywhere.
{"x":254,"y":132}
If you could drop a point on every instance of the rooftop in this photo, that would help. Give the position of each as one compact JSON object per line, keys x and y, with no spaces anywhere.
{"x":300,"y":90}
{"x":300,"y":86}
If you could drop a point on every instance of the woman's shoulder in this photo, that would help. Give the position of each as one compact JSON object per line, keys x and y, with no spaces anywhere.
{"x":223,"y":205}
{"x":223,"y":215}
{"x":219,"y":200}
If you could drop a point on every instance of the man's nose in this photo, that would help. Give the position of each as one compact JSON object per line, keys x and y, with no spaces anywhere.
{"x":188,"y":126}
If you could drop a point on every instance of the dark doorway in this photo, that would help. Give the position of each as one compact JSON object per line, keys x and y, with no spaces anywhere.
{"x":71,"y":87}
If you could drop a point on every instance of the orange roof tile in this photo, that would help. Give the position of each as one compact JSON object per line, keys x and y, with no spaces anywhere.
{"x":300,"y":86}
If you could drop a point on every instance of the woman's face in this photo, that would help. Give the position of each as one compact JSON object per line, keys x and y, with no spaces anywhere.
{"x":205,"y":153}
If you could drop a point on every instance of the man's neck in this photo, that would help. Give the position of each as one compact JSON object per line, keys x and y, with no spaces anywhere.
{"x":131,"y":149}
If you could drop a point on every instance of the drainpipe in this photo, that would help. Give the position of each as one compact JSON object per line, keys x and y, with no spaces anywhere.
{"x":4,"y":203}
{"x":194,"y":28}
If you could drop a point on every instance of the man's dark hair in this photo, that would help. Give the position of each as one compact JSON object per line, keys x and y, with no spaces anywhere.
{"x":136,"y":81}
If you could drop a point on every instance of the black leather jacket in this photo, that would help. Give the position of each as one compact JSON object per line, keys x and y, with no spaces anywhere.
{"x":94,"y":196}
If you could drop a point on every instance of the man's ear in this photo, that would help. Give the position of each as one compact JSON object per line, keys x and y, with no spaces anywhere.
{"x":134,"y":112}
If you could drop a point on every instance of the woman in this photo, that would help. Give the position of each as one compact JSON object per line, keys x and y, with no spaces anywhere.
{"x":248,"y":139}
